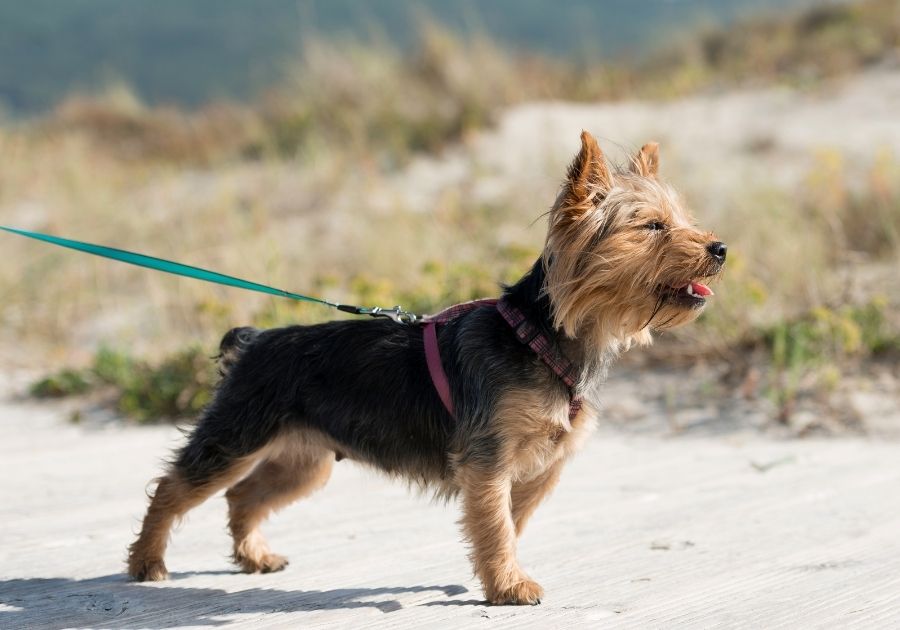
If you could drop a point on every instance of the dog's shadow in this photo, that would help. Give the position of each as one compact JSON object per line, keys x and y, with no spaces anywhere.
{"x":114,"y":601}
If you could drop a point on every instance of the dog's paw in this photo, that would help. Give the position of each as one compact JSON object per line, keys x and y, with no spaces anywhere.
{"x":526,"y":592}
{"x":266,"y":563}
{"x":272,"y":562}
{"x":147,"y":570}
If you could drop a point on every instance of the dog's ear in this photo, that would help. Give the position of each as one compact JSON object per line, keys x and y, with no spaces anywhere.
{"x":646,"y":162}
{"x":588,"y":179}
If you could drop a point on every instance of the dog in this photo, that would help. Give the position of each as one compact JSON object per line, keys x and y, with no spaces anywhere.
{"x":486,"y":404}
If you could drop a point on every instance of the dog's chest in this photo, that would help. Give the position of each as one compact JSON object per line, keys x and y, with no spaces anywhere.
{"x":547,"y":442}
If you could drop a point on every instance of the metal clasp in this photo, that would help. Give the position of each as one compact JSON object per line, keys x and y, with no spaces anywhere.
{"x":396,"y":313}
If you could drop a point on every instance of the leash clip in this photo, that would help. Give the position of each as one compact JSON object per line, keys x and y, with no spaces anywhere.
{"x":396,"y":313}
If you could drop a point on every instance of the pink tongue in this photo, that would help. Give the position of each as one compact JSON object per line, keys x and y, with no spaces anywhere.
{"x":700,"y":289}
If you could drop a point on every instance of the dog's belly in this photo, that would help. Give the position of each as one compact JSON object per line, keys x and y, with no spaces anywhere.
{"x":361,"y":384}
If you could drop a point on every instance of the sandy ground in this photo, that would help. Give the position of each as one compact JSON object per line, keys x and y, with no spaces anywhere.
{"x":644,"y":531}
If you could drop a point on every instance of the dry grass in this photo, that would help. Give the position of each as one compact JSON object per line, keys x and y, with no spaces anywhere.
{"x":341,"y":96}
{"x":826,"y":41}
{"x":388,"y":104}
{"x":307,"y":192}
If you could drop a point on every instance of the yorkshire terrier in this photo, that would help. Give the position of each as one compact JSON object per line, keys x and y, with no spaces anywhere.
{"x":486,"y":401}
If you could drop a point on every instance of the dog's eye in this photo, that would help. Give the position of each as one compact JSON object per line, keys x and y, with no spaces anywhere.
{"x":656,"y":225}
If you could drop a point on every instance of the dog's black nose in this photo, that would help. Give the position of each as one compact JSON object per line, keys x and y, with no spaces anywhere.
{"x":718,"y":250}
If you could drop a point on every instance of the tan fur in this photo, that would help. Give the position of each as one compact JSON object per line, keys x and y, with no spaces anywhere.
{"x":602,"y":290}
{"x":605,"y":270}
{"x":605,"y":273}
{"x":537,"y":434}
{"x":173,"y":498}
{"x":526,"y":496}
{"x":588,"y":174}
{"x":536,"y":439}
{"x":488,"y":526}
{"x":292,"y":466}
{"x":295,"y":469}
{"x":646,"y":162}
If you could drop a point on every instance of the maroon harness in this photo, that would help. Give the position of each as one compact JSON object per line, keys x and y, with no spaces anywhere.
{"x":526,"y":332}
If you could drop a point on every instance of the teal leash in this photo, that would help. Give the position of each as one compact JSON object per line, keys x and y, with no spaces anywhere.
{"x":168,"y":266}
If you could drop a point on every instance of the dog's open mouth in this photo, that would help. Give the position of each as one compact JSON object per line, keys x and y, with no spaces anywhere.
{"x":689,"y":293}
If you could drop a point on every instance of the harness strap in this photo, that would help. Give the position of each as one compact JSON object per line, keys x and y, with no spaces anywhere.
{"x":529,"y":335}
{"x":435,"y":369}
{"x":433,"y":351}
{"x":525,"y":331}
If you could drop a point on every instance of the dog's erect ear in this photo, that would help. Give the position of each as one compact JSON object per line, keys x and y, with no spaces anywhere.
{"x":646,"y":162}
{"x":588,"y":179}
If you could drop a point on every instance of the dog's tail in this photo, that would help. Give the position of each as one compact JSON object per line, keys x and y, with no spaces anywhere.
{"x":233,"y":345}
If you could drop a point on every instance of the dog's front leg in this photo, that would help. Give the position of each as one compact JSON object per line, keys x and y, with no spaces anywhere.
{"x":488,"y":524}
{"x":527,"y":495}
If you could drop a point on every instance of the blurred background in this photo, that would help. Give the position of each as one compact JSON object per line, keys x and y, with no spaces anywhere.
{"x":395,"y":152}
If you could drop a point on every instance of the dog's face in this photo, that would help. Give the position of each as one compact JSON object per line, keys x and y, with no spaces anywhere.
{"x":623,"y":255}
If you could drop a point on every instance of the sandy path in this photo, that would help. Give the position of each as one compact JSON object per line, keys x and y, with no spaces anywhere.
{"x":643,"y":532}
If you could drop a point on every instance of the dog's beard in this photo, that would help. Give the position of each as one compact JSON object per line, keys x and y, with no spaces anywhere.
{"x":667,"y":315}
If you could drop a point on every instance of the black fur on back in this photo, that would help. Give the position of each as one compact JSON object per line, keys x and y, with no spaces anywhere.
{"x":366,"y":385}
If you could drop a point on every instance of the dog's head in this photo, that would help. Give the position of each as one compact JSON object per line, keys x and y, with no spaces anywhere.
{"x":623,"y":256}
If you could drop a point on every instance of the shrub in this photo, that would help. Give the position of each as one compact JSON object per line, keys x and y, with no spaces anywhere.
{"x":178,"y":386}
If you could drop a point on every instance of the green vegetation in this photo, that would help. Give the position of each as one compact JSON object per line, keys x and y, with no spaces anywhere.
{"x":806,"y":340}
{"x":176,"y":387}
{"x":828,"y":40}
{"x":818,"y":347}
{"x":793,"y":253}
{"x":303,"y":191}
{"x":66,"y":382}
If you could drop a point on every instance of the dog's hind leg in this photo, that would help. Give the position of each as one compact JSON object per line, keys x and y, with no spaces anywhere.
{"x":175,"y":494}
{"x":296,"y":468}
{"x":223,"y":448}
